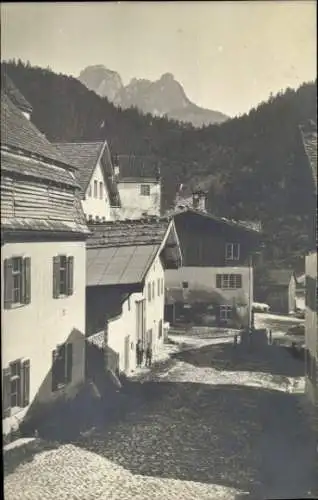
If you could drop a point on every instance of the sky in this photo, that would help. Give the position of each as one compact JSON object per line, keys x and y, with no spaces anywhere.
{"x":229,"y":56}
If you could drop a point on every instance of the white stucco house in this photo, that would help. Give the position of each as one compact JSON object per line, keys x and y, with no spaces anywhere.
{"x":96,"y":177}
{"x":43,"y":254}
{"x":139,"y":185}
{"x":309,"y":139}
{"x":126,"y":262}
{"x":215,"y":282}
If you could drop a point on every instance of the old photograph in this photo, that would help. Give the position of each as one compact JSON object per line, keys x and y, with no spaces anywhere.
{"x":158,"y":250}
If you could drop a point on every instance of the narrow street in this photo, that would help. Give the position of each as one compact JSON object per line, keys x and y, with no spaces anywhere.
{"x":215,"y":422}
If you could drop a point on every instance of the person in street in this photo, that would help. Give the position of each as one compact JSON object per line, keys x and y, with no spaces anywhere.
{"x":235,"y":339}
{"x":148,"y":355}
{"x":270,"y":336}
{"x":139,"y":353}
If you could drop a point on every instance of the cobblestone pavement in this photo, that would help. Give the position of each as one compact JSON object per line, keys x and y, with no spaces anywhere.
{"x":201,"y":430}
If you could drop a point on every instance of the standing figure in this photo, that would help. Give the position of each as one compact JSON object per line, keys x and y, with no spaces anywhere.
{"x":148,"y":355}
{"x":235,"y":339}
{"x":270,"y":336}
{"x":139,"y":353}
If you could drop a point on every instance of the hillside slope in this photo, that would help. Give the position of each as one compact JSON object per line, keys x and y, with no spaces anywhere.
{"x":253,"y":166}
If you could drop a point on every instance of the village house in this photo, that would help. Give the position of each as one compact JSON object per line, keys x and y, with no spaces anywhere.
{"x":280,"y":290}
{"x":139,"y":186}
{"x":43,"y":234}
{"x":96,"y":176}
{"x":309,"y":137}
{"x":126,"y":261}
{"x":215,"y":283}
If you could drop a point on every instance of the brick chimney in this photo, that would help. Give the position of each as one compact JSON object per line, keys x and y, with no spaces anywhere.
{"x":199,"y":199}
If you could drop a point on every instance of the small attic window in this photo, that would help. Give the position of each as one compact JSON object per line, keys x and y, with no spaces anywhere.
{"x":145,"y":190}
{"x":185,"y":284}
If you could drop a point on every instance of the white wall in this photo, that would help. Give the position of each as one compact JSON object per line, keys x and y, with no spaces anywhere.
{"x":204,"y":278}
{"x":131,"y":199}
{"x":33,"y":331}
{"x":311,"y":331}
{"x":126,"y":324}
{"x":96,"y":206}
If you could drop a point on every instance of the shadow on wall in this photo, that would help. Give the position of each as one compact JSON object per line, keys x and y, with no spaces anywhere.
{"x":225,"y":435}
{"x":52,"y":398}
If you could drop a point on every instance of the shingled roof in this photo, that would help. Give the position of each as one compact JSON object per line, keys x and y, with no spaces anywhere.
{"x":132,"y":168}
{"x":84,"y":156}
{"x":19,"y":134}
{"x":14,"y":93}
{"x":126,"y":233}
{"x":309,"y":137}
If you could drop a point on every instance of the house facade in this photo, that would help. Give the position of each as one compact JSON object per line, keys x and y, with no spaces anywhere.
{"x":280,"y":291}
{"x":96,"y":177}
{"x":139,"y":186}
{"x":43,"y":270}
{"x":125,"y":286}
{"x":215,"y":282}
{"x":309,"y":138}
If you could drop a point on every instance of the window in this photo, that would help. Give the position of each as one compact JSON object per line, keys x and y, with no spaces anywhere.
{"x":149,"y":292}
{"x":17,"y":281}
{"x":229,"y":281}
{"x":162,"y":286}
{"x":97,"y":218}
{"x":101,"y":191}
{"x":63,"y":270}
{"x":185,"y":284}
{"x":145,"y":190}
{"x":128,"y":304}
{"x":232,"y":251}
{"x":158,"y":287}
{"x":62,"y":365}
{"x":95,"y":189}
{"x":153,"y":289}
{"x":225,"y":312}
{"x":90,"y":218}
{"x":15,"y":386}
{"x":89,"y":190}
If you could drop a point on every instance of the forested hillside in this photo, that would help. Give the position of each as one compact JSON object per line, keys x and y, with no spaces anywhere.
{"x":253,"y":166}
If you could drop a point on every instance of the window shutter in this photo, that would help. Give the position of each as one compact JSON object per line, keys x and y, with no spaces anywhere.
{"x":54,"y":370}
{"x":56,"y":277}
{"x":218,"y":281}
{"x":6,"y":392}
{"x":27,"y":280}
{"x":25,"y":383}
{"x":69,"y":362}
{"x":8,"y":283}
{"x":70,"y":275}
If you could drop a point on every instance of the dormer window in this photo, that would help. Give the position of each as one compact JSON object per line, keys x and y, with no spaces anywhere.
{"x":89,"y":191}
{"x":101,"y":190}
{"x":232,"y":251}
{"x":95,"y":189}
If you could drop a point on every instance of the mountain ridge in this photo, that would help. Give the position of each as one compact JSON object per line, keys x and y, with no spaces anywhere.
{"x":162,"y":97}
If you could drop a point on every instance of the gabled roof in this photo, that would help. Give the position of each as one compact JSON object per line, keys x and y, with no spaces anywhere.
{"x":136,"y":168}
{"x":309,"y":137}
{"x":14,"y":93}
{"x":252,"y":227}
{"x":120,"y":253}
{"x":280,"y":277}
{"x":19,"y":134}
{"x":85,"y":156}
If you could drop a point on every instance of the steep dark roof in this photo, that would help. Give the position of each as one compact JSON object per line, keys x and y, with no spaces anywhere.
{"x":19,"y":133}
{"x":309,"y":137}
{"x":126,"y":233}
{"x":138,"y":167}
{"x":280,"y":277}
{"x":244,"y":225}
{"x":14,"y":93}
{"x":83,"y":156}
